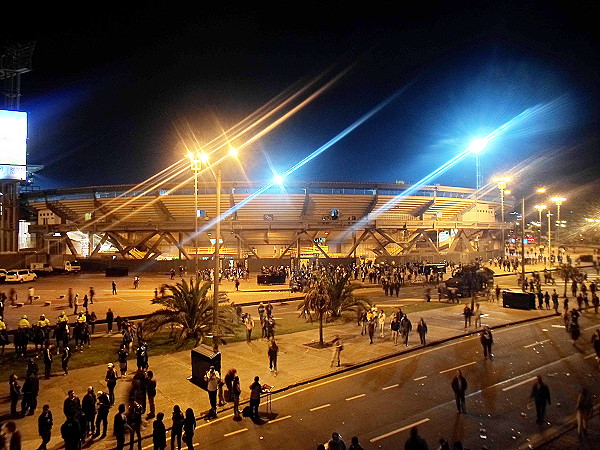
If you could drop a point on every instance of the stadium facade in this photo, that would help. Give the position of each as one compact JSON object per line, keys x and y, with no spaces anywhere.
{"x":296,"y":222}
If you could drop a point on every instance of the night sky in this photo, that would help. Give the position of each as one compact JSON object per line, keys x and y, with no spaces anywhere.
{"x":116,"y":97}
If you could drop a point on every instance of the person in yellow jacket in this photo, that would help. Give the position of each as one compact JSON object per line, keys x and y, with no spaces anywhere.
{"x":23,"y":323}
{"x":81,"y":318}
{"x":62,"y":318}
{"x":43,"y":322}
{"x":2,"y":324}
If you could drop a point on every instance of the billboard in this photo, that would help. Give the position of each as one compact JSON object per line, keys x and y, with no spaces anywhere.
{"x":13,"y":145}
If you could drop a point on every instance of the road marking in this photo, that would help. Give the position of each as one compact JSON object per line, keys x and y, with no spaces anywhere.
{"x":320,"y":407}
{"x":589,"y":356}
{"x":536,"y":343}
{"x":557,"y":326}
{"x":279,"y":419}
{"x":458,"y":367}
{"x":589,"y":328}
{"x":399,"y":430}
{"x":390,"y":387}
{"x":420,"y":378}
{"x":235,"y":432}
{"x":528,"y":380}
{"x":355,"y":397}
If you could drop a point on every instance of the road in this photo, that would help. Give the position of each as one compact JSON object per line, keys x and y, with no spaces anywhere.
{"x":380,"y":402}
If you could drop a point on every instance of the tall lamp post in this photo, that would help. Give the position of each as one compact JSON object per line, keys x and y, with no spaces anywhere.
{"x":196,"y":161}
{"x":559,"y":201}
{"x":540,"y":208}
{"x":502,"y":186}
{"x":549,"y":239}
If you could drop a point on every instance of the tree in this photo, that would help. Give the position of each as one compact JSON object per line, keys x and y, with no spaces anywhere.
{"x":330,"y":293}
{"x":317,"y":299}
{"x":567,"y":272}
{"x":341,"y":293}
{"x":189,"y":310}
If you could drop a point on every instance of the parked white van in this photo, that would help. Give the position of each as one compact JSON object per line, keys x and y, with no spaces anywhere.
{"x":20,"y":276}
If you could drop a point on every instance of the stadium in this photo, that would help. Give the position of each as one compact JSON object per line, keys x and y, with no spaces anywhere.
{"x":261,"y":225}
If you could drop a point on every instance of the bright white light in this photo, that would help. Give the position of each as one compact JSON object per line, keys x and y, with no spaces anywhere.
{"x":477,"y":145}
{"x":278,"y":179}
{"x":233,"y":152}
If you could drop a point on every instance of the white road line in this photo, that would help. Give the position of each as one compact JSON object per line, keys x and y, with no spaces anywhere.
{"x":536,"y":343}
{"x":390,"y":387}
{"x":557,"y":326}
{"x":279,"y":419}
{"x":458,"y":367}
{"x":420,"y":378}
{"x":235,"y":432}
{"x":589,"y":328}
{"x":320,"y":407}
{"x":355,"y":397}
{"x":589,"y":356}
{"x":399,"y":430}
{"x":528,"y":380}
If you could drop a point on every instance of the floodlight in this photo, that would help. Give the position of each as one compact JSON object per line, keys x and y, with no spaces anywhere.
{"x":477,"y":145}
{"x":233,"y":152}
{"x":277,"y":179}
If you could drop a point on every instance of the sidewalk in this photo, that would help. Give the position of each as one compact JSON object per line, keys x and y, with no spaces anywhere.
{"x":298,"y":363}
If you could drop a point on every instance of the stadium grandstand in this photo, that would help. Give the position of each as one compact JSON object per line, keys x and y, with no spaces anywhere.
{"x":297,"y":221}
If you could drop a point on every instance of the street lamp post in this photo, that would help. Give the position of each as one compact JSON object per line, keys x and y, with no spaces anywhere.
{"x":540,"y":208}
{"x":523,"y":282}
{"x":502,"y":186}
{"x":196,"y":161}
{"x":549,"y":240}
{"x":559,"y":201}
{"x":217,"y":268}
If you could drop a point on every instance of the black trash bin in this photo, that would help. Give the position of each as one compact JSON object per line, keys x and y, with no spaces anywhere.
{"x":202,"y":358}
{"x":518,"y":300}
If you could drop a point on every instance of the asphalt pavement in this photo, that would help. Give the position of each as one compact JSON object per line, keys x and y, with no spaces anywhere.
{"x":299,"y":361}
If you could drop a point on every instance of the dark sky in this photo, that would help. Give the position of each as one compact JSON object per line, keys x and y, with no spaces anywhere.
{"x":115,"y":97}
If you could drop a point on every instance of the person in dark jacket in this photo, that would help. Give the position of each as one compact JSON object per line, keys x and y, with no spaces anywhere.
{"x":151,"y":392}
{"x":71,"y":405}
{"x":415,"y":442}
{"x":48,"y":361}
{"x":110,"y":318}
{"x":422,"y":331}
{"x":459,"y":386}
{"x":540,"y":394}
{"x":71,"y":433}
{"x":102,"y":415}
{"x":189,"y":428}
{"x":177,"y":427}
{"x":31,"y":389}
{"x":135,"y":422}
{"x":120,"y":427}
{"x":88,"y":406}
{"x":45,"y":424}
{"x":15,"y":393}
{"x":111,"y":382}
{"x":159,"y":433}
{"x":487,"y":340}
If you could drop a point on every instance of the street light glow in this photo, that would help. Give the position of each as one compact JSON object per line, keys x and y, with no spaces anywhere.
{"x":540,"y":207}
{"x":233,"y":152}
{"x":278,"y":179}
{"x":541,"y":190}
{"x":477,"y":145}
{"x":558,"y":200}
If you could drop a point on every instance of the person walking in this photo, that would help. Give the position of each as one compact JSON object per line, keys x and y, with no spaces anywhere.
{"x":422,"y":330}
{"x":337,"y":350}
{"x":381,"y":320}
{"x":151,"y":392}
{"x":111,"y":381}
{"x":487,"y":340}
{"x":249,"y":322}
{"x":459,"y":386}
{"x":65,"y":358}
{"x":189,"y":428}
{"x":272,"y":352}
{"x":540,"y":394}
{"x":159,"y":433}
{"x":395,"y":326}
{"x":583,"y":412}
{"x":212,"y":379}
{"x":135,"y":422}
{"x":45,"y":424}
{"x":371,"y":326}
{"x":467,"y":313}
{"x":177,"y":427}
{"x":110,"y":317}
{"x":406,"y":327}
{"x":255,"y":392}
{"x":477,"y":314}
{"x":336,"y":442}
{"x":415,"y":442}
{"x":235,"y":392}
{"x":122,"y":356}
{"x":114,"y":288}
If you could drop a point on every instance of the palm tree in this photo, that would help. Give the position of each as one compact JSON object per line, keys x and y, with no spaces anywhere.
{"x":189,"y":310}
{"x":341,"y":294}
{"x":317,"y":299}
{"x":567,"y":272}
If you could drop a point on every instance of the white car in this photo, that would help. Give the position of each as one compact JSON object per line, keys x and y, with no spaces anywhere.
{"x":20,"y":276}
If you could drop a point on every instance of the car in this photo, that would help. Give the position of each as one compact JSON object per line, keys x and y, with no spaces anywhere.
{"x":20,"y":276}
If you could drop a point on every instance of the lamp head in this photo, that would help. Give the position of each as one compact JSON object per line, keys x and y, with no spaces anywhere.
{"x":477,"y":145}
